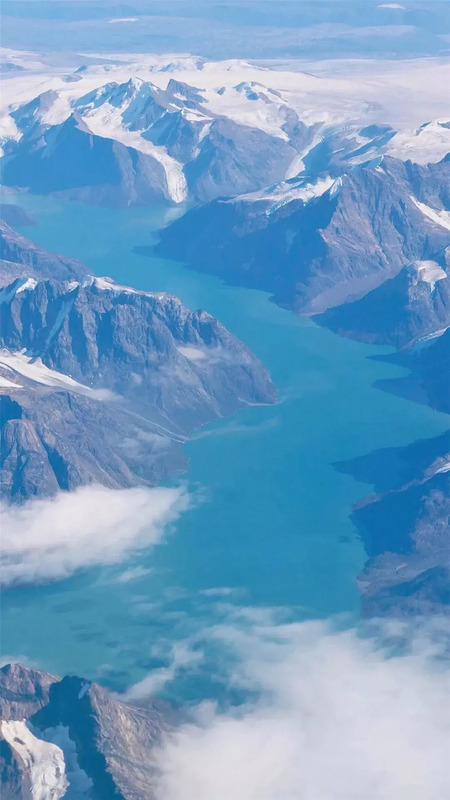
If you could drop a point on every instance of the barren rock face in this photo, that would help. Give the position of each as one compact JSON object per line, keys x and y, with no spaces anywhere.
{"x":316,"y":244}
{"x":23,"y":691}
{"x":101,"y":383}
{"x":81,"y":739}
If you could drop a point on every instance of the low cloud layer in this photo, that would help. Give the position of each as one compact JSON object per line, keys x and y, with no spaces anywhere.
{"x":333,"y":716}
{"x":48,"y":539}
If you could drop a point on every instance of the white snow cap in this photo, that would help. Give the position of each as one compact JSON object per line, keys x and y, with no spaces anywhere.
{"x":429,"y":272}
{"x":44,"y":761}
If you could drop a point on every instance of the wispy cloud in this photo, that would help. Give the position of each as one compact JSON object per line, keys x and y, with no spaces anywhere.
{"x":333,"y":715}
{"x":133,"y":574}
{"x":182,"y":657}
{"x":48,"y":539}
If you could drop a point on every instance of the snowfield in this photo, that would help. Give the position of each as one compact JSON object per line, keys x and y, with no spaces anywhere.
{"x":405,"y":95}
{"x":441,"y":218}
{"x":430,"y":272}
{"x":34,"y":370}
{"x":43,"y":761}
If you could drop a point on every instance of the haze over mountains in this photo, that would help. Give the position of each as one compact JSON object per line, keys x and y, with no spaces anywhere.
{"x":332,"y":193}
{"x":301,"y":185}
{"x":230,"y":28}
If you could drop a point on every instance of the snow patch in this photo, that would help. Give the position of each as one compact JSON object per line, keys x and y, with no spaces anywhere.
{"x":80,"y":784}
{"x":445,"y":468}
{"x":83,"y":690}
{"x":192,"y":353}
{"x":285,"y":192}
{"x":108,"y":285}
{"x":6,"y":384}
{"x":429,"y":271}
{"x":441,"y":218}
{"x":122,"y":19}
{"x":434,"y":335}
{"x":44,"y":761}
{"x":19,"y":285}
{"x":427,"y":144}
{"x":33,"y":369}
{"x":30,"y":283}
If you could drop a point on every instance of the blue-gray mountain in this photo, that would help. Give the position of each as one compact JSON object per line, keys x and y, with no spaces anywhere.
{"x":413,"y":306}
{"x":19,"y":257}
{"x":410,"y":312}
{"x":404,"y":526}
{"x":369,"y":250}
{"x":100,"y":383}
{"x":133,"y":143}
{"x":428,"y":378}
{"x":71,"y":738}
{"x":319,"y":243}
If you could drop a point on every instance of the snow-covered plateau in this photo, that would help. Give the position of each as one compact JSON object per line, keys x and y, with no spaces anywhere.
{"x":178,"y":128}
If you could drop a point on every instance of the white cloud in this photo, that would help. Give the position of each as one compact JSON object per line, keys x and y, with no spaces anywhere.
{"x":334,"y":717}
{"x":122,"y":19}
{"x":133,"y":574}
{"x":182,"y":657}
{"x":15,"y":659}
{"x":48,"y":539}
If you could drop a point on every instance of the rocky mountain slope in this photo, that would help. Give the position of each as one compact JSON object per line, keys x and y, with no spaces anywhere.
{"x":318,"y":244}
{"x":134,"y":143}
{"x":428,"y":378}
{"x":101,"y":383}
{"x":82,"y":743}
{"x":365,"y":253}
{"x":19,"y":257}
{"x":404,"y":526}
{"x":406,"y":309}
{"x":182,"y":129}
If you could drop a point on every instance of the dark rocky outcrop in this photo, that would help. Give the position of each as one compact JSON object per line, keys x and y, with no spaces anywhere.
{"x":428,"y":381}
{"x":15,"y":215}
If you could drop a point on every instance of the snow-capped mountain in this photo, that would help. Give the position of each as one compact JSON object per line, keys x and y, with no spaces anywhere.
{"x":133,"y":142}
{"x":21,"y":258}
{"x":413,"y":306}
{"x":71,"y":738}
{"x":365,"y":252}
{"x":178,"y":129}
{"x":81,"y":357}
{"x":318,"y":244}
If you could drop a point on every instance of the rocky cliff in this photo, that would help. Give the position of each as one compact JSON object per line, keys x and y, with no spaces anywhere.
{"x":19,"y":257}
{"x":101,"y":383}
{"x":404,"y":527}
{"x":81,"y":743}
{"x":321,"y":242}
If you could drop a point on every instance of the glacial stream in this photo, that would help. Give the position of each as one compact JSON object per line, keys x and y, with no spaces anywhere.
{"x":270,"y":526}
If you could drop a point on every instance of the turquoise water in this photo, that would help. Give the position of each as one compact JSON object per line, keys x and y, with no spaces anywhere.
{"x":273,"y":521}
